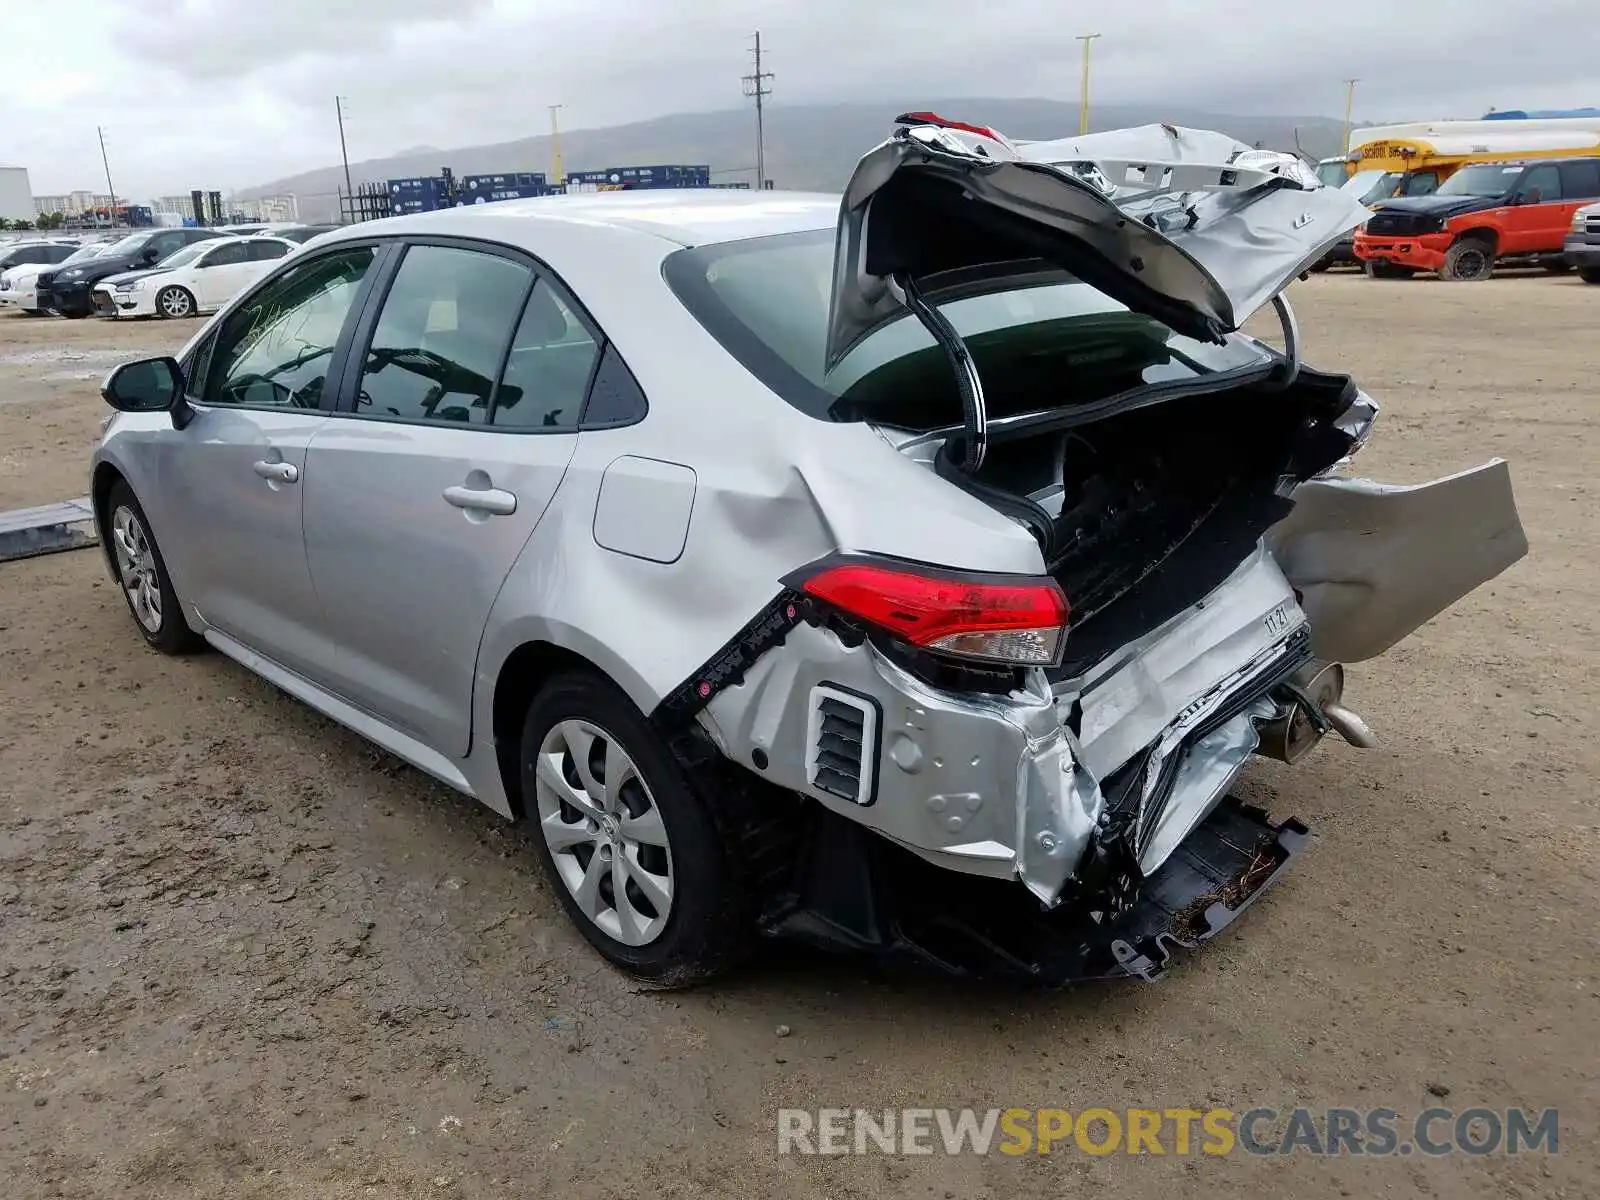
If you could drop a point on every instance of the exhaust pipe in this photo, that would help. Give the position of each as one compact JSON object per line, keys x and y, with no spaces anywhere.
{"x":1315,"y":695}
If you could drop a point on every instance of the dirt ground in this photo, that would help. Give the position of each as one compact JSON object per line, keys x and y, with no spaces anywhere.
{"x":245,"y":954}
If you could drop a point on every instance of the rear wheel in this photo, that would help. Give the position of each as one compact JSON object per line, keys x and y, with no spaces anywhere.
{"x":632,"y":848}
{"x":142,"y":575}
{"x":174,"y":303}
{"x":1471,"y":259}
{"x":1589,"y":274}
{"x":1383,"y":270}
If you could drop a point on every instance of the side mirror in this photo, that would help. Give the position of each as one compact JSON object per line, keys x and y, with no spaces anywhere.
{"x":1532,"y":196}
{"x":150,"y":257}
{"x":149,"y":385}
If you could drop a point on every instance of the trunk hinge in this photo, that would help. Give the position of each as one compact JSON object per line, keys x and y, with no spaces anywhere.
{"x":1291,"y":339}
{"x":974,"y":415}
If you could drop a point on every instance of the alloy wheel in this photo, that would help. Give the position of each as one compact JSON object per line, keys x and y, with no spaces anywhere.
{"x":604,"y":832}
{"x":136,"y":568}
{"x":175,"y":302}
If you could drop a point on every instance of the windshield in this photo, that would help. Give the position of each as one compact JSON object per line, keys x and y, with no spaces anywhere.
{"x":129,"y":244}
{"x":1048,"y":342}
{"x":1482,"y":180}
{"x":185,"y":256}
{"x":82,"y":254}
{"x":1332,"y":171}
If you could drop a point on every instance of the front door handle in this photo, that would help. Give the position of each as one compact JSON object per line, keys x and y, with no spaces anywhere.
{"x":278,"y":472}
{"x":493,"y":501}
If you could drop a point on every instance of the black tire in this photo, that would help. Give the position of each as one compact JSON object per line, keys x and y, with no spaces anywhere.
{"x":1589,"y":274}
{"x":74,"y":315}
{"x":1470,"y":260}
{"x":1322,"y":264}
{"x":175,"y":303}
{"x":710,"y":923}
{"x":171,"y":634}
{"x":1383,"y":270}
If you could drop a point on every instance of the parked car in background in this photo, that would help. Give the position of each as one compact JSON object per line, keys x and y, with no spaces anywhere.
{"x":69,"y":288}
{"x":1581,"y":248}
{"x":200,"y":278}
{"x":19,"y":284}
{"x":298,"y":233}
{"x":36,"y":253}
{"x":1009,"y":551}
{"x":1482,"y":215}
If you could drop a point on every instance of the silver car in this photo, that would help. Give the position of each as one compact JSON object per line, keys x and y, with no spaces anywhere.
{"x":910,"y":573}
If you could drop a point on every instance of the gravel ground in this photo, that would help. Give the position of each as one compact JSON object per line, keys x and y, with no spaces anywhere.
{"x":244,"y":954}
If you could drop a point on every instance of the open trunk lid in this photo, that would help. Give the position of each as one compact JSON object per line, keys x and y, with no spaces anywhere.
{"x":1190,"y":227}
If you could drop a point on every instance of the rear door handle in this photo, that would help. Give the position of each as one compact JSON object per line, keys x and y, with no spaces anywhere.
{"x":278,"y":472}
{"x":489,"y":500}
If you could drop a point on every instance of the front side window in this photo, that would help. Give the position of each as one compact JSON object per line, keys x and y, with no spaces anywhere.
{"x":441,"y":336}
{"x":547,"y":372}
{"x":225,"y":256}
{"x":276,"y":349}
{"x":1056,"y":343}
{"x":1542,"y":185}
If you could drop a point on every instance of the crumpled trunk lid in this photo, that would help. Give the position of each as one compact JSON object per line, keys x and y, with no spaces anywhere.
{"x":1189,"y":227}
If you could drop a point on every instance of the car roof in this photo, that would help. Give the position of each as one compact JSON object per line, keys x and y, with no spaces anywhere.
{"x":683,"y":216}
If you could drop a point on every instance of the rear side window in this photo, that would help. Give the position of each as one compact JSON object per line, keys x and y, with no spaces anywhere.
{"x":441,"y":336}
{"x":1580,"y":180}
{"x":548,"y":369}
{"x":267,"y":251}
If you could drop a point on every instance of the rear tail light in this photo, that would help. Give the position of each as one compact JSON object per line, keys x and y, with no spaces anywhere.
{"x":1015,"y":620}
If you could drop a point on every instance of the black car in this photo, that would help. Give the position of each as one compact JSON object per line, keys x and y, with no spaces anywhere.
{"x":68,"y":290}
{"x":299,"y":233}
{"x":15,"y":254}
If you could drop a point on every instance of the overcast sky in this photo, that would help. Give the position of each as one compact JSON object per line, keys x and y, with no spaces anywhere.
{"x":230,"y":93}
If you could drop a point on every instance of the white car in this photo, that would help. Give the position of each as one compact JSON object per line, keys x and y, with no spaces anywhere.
{"x":18,"y":284}
{"x":200,"y":278}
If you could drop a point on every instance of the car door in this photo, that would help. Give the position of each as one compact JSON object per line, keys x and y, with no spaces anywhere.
{"x":1530,"y":223}
{"x":260,"y":385}
{"x":455,"y":428}
{"x":219,"y":274}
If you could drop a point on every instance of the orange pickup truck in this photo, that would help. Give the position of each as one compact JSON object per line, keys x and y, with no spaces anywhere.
{"x":1481,"y":215}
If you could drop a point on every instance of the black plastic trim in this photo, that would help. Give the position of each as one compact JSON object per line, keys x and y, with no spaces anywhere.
{"x":727,"y":667}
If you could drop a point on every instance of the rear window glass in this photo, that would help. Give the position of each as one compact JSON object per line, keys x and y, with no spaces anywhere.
{"x":1057,"y":343}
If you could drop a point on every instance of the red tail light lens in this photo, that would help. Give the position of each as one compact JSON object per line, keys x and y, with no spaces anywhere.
{"x":1019,"y":621}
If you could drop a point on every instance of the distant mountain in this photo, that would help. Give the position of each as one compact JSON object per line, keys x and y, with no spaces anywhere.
{"x":807,"y":146}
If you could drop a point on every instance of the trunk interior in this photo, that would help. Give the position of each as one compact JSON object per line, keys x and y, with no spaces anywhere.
{"x":1141,"y":515}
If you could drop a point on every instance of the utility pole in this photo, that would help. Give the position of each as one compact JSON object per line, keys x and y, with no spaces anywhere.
{"x":1349,"y":107}
{"x":350,"y":192}
{"x":756,"y":85}
{"x":110,"y":190}
{"x":557,"y":172}
{"x":1083,"y":96}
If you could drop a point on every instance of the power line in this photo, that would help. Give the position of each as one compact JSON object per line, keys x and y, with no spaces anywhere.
{"x":756,"y":85}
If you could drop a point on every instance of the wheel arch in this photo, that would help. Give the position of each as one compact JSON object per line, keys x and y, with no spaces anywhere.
{"x":520,"y":675}
{"x":1479,"y":233}
{"x":105,"y":477}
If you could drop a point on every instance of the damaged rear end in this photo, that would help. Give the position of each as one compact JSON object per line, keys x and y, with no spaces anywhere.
{"x":1052,"y":330}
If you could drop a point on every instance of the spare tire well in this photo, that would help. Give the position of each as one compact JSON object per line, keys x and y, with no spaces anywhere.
{"x":521,"y":675}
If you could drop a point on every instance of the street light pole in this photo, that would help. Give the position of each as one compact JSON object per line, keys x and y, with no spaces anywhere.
{"x":1083,"y":97}
{"x":1349,"y":108}
{"x":558,"y":171}
{"x":110,"y":190}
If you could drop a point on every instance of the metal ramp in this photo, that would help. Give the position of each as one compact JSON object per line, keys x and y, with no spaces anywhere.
{"x":26,"y":532}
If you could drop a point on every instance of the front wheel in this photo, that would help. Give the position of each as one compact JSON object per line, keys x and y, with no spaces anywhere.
{"x":174,"y":303}
{"x":1468,"y":261}
{"x":631,"y":846}
{"x":142,"y":575}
